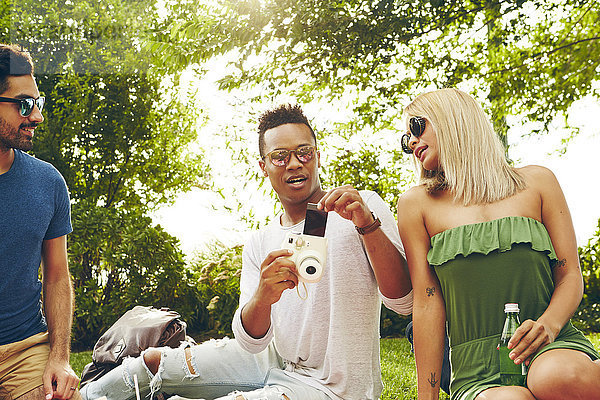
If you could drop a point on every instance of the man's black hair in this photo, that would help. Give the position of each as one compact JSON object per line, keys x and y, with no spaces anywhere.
{"x":14,"y":61}
{"x":283,"y":114}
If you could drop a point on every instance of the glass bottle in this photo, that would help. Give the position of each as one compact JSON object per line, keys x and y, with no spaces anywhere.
{"x":511,"y":374}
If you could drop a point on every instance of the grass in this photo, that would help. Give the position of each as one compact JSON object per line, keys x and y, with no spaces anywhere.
{"x":397,"y":368}
{"x":79,"y":361}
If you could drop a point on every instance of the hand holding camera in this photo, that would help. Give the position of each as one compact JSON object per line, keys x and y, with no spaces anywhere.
{"x":310,"y":247}
{"x":310,"y":255}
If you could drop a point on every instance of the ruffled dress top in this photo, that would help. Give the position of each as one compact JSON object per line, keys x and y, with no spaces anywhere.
{"x":481,"y":267}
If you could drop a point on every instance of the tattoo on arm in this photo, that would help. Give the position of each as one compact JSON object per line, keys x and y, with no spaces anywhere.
{"x":561,"y":263}
{"x":430,"y":291}
{"x":432,"y":380}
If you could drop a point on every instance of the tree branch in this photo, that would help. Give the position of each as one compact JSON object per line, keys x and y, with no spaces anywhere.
{"x":538,"y":55}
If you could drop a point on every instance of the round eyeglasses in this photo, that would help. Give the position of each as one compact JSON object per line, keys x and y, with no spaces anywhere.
{"x":416,"y":127}
{"x":281,"y":157}
{"x":25,"y":104}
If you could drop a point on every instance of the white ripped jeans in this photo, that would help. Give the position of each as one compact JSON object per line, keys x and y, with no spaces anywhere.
{"x":220,"y":370}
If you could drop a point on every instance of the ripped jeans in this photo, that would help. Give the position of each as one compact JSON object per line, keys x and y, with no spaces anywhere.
{"x":220,"y":369}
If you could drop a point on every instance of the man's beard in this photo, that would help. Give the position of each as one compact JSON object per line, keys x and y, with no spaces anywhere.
{"x":12,"y":138}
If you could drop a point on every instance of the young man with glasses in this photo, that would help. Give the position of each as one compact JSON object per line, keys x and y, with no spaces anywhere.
{"x":34,"y":222}
{"x":295,"y":342}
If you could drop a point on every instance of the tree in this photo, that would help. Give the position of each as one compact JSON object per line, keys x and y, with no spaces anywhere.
{"x":118,"y":136}
{"x":365,"y":170}
{"x":116,"y":142}
{"x":119,"y":260}
{"x":121,"y":139}
{"x":526,"y":57}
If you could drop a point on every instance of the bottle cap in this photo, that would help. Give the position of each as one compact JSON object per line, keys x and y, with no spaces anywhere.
{"x":511,"y":307}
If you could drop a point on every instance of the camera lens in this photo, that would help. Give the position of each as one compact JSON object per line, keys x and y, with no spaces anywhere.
{"x":310,"y":269}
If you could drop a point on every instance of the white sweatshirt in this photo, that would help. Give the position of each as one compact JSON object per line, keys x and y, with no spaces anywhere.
{"x":330,"y":340}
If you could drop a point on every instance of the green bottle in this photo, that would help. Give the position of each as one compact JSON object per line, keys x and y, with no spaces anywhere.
{"x":511,"y":374}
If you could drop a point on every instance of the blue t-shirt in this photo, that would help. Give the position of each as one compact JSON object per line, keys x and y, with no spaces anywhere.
{"x":34,"y":206}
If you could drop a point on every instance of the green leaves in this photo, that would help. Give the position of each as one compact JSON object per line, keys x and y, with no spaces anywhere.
{"x":114,"y":143}
{"x":553,"y":62}
{"x":116,"y":131}
{"x":527,"y":57}
{"x":218,"y":272}
{"x":366,"y":169}
{"x":118,"y":260}
{"x":587,"y":315}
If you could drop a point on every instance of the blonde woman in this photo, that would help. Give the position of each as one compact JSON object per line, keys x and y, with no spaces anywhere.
{"x":479,"y":233}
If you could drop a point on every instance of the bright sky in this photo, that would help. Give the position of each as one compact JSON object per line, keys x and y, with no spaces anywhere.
{"x":577,"y":170}
{"x":197,"y":217}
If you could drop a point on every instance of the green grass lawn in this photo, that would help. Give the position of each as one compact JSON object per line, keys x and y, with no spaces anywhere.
{"x":79,"y":360}
{"x":397,"y":367}
{"x":398,"y":370}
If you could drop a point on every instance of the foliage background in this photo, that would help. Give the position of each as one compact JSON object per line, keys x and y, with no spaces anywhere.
{"x":129,"y":132}
{"x":587,"y":316}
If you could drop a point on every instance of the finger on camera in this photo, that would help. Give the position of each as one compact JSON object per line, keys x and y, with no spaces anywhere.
{"x":285,"y":273}
{"x":277,"y":271}
{"x":360,"y":212}
{"x":340,"y":206}
{"x":292,"y":277}
{"x":274,"y":273}
{"x":288,"y":284}
{"x":327,"y":201}
{"x":275,"y":256}
{"x":284,"y":279}
{"x":283,"y":264}
{"x":343,"y":201}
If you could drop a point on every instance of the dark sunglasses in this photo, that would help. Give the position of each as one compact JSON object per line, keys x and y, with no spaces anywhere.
{"x":26,"y":104}
{"x":416,"y":127}
{"x":281,"y":157}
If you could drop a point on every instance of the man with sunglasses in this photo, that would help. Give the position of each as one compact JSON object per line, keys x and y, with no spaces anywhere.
{"x":328,"y":343}
{"x":316,"y":341}
{"x":34,"y":222}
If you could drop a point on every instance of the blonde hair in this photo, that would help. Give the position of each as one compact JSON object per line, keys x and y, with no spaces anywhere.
{"x":472,"y":161}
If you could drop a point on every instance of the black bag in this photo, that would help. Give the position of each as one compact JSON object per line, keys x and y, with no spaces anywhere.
{"x":136,"y":330}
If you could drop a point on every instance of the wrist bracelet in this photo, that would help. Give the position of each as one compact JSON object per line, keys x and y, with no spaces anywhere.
{"x":371,"y":227}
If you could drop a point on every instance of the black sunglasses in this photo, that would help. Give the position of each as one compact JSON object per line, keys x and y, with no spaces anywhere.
{"x":26,"y":104}
{"x":416,"y":127}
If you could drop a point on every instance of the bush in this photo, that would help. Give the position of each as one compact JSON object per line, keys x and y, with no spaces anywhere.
{"x":217,"y":273}
{"x":119,"y":260}
{"x":392,"y":324}
{"x":587,"y":316}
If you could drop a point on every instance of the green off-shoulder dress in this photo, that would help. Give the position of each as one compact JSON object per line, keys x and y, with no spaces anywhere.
{"x":481,"y":267}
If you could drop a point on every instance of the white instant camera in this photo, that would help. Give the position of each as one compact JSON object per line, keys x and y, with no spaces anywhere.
{"x":310,"y":255}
